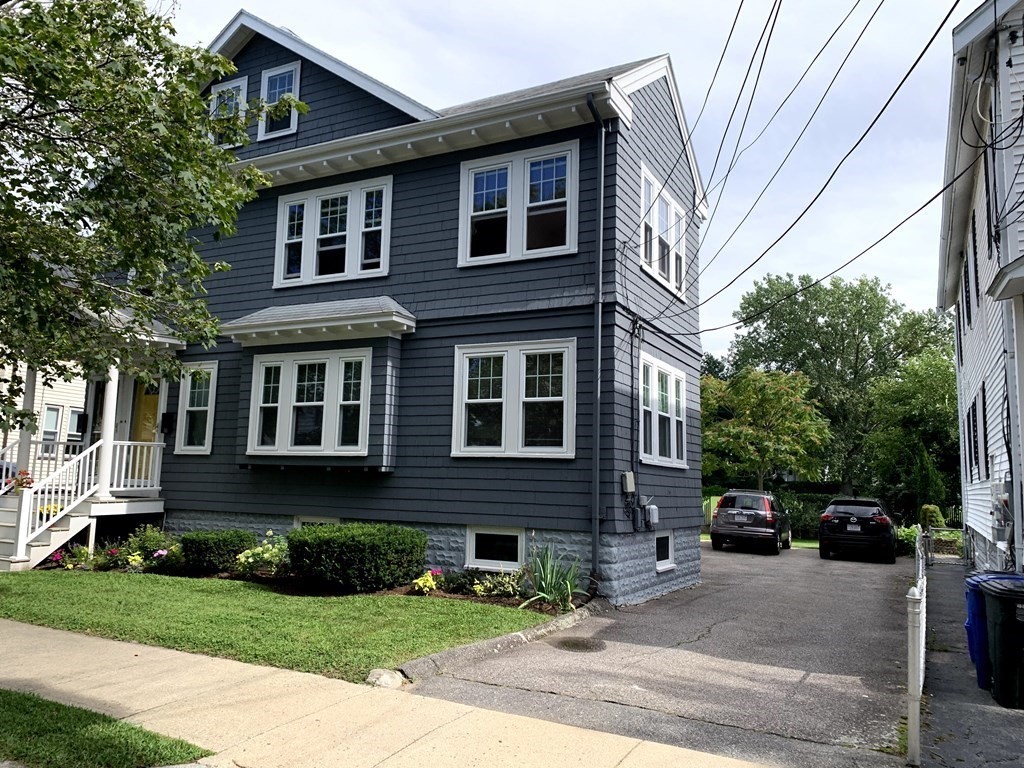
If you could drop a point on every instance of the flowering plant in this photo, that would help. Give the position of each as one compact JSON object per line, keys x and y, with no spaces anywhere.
{"x":270,"y":557}
{"x":23,"y":479}
{"x":428,"y":582}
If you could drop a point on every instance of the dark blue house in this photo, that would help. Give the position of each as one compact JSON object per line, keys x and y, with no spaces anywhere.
{"x":480,"y":321}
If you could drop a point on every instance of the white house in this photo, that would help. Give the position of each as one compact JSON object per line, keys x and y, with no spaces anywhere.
{"x":981,"y":272}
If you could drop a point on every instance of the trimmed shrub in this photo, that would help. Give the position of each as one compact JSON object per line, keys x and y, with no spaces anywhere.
{"x":208,"y":552}
{"x":357,"y":557}
{"x":931,"y":517}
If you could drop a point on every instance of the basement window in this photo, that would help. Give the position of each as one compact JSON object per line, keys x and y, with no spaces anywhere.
{"x":495,"y":549}
{"x":664,"y":552}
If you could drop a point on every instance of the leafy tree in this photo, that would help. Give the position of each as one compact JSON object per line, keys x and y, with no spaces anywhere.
{"x":914,"y":449}
{"x":759,"y":422}
{"x":710,"y":365}
{"x":109,"y":168}
{"x":843,"y":335}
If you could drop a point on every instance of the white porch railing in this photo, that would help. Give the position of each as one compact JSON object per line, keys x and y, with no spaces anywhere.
{"x":136,"y":466}
{"x":51,"y":498}
{"x":8,"y":467}
{"x":917,"y":627}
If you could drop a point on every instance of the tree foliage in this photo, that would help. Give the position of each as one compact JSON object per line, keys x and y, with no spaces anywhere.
{"x":914,"y":449}
{"x":109,"y":167}
{"x":843,"y":335}
{"x":760,"y":422}
{"x":711,"y":365}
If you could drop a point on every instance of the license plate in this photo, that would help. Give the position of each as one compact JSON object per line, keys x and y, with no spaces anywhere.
{"x":853,"y":527}
{"x":742,"y":518}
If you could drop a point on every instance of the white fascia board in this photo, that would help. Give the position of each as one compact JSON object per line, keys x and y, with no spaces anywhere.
{"x":244,"y":25}
{"x":980,"y":22}
{"x":404,"y":134}
{"x":645,"y":74}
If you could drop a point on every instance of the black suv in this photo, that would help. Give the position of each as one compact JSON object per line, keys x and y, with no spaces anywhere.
{"x":857,"y":524}
{"x":751,"y":516}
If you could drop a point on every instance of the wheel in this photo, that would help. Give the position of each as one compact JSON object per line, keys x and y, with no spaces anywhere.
{"x":776,"y":546}
{"x":788,"y":543}
{"x":823,"y":551}
{"x":716,"y":543}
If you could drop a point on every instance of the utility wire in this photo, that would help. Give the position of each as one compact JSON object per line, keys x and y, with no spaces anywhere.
{"x":792,"y":147}
{"x":714,"y":77}
{"x":837,"y":168}
{"x":748,"y":318}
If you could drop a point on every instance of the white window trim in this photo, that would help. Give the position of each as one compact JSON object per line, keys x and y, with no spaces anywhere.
{"x":299,"y":520}
{"x":673,"y":374}
{"x":677,"y":245}
{"x":261,"y":132}
{"x":44,"y":448}
{"x":354,"y":231}
{"x":517,"y":163}
{"x":512,"y":427}
{"x":472,"y":561}
{"x":183,"y":393}
{"x":332,"y":399}
{"x":661,"y":566}
{"x":242,"y":83}
{"x":72,"y":420}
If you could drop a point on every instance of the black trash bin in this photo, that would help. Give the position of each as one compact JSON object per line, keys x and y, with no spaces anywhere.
{"x":1004,"y":600}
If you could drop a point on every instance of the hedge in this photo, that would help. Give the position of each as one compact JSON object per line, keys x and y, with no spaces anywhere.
{"x":357,"y":557}
{"x":209,"y":552}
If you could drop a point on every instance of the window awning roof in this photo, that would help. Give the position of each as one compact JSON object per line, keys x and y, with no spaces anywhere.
{"x":1008,"y":282}
{"x":322,"y":321}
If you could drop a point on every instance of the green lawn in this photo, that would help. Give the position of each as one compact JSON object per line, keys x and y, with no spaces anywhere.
{"x":342,"y":637}
{"x":797,"y":543}
{"x":44,"y":734}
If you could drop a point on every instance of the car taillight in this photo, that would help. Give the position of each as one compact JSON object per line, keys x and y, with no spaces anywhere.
{"x":883,"y":519}
{"x":768,"y":514}
{"x":825,"y":517}
{"x":714,"y":515}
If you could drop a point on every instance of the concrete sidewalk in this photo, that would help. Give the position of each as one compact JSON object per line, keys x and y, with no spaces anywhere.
{"x":962,"y":724}
{"x":261,"y":717}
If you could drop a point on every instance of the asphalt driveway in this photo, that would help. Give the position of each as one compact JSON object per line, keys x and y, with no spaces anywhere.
{"x":788,"y":660}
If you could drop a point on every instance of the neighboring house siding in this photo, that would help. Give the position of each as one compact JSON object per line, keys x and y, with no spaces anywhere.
{"x":336,"y":108}
{"x":982,"y":344}
{"x":65,"y":395}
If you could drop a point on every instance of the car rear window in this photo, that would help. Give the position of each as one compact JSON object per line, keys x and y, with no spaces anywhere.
{"x":854,"y":509}
{"x":743,"y":501}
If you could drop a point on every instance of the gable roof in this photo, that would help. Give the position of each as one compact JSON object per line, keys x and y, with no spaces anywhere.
{"x":244,"y":26}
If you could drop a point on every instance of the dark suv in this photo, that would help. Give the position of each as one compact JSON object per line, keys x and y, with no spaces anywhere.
{"x":857,"y":524}
{"x":751,"y":516}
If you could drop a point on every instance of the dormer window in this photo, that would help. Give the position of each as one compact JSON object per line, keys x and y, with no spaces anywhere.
{"x":279,"y":82}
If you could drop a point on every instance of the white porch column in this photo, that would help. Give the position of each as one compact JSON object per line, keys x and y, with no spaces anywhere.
{"x":28,"y":402}
{"x":106,"y":457}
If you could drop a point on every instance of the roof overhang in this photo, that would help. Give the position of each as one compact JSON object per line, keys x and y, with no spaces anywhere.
{"x":327,"y":321}
{"x":244,"y":26}
{"x":961,"y":153}
{"x":542,"y":114}
{"x":1008,"y":281}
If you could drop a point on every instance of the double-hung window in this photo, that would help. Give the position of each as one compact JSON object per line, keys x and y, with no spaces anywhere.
{"x":662,"y":413}
{"x":196,"y":402}
{"x":663,"y":226}
{"x":228,"y":99}
{"x":515,"y":399}
{"x":338,"y":233}
{"x":51,"y":429}
{"x":278,"y":82}
{"x":518,"y":206}
{"x":313,"y":402}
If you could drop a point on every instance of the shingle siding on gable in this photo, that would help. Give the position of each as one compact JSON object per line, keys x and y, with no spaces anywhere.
{"x":336,"y":107}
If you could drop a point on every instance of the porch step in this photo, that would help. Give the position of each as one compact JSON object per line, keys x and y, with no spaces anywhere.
{"x":42,"y":547}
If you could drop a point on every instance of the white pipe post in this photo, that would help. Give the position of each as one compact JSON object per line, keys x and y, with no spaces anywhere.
{"x":915,"y":678}
{"x":106,"y":457}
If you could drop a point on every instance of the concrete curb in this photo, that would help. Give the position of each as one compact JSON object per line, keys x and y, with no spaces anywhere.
{"x":444,"y":661}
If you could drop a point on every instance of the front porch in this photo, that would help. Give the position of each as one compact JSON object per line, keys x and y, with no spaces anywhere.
{"x":51,"y":491}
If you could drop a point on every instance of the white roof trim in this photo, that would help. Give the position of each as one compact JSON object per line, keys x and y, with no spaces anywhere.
{"x":339,"y":323}
{"x":244,"y":25}
{"x":645,"y":74}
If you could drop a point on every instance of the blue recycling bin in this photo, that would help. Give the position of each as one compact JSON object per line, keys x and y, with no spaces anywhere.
{"x":977,"y":622}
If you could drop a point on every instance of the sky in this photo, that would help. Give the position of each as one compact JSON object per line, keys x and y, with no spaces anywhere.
{"x":446,"y":52}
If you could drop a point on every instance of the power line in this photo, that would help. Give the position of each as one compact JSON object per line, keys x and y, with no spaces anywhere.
{"x":792,"y":147}
{"x":747,"y":319}
{"x":837,"y":168}
{"x":714,"y":77}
